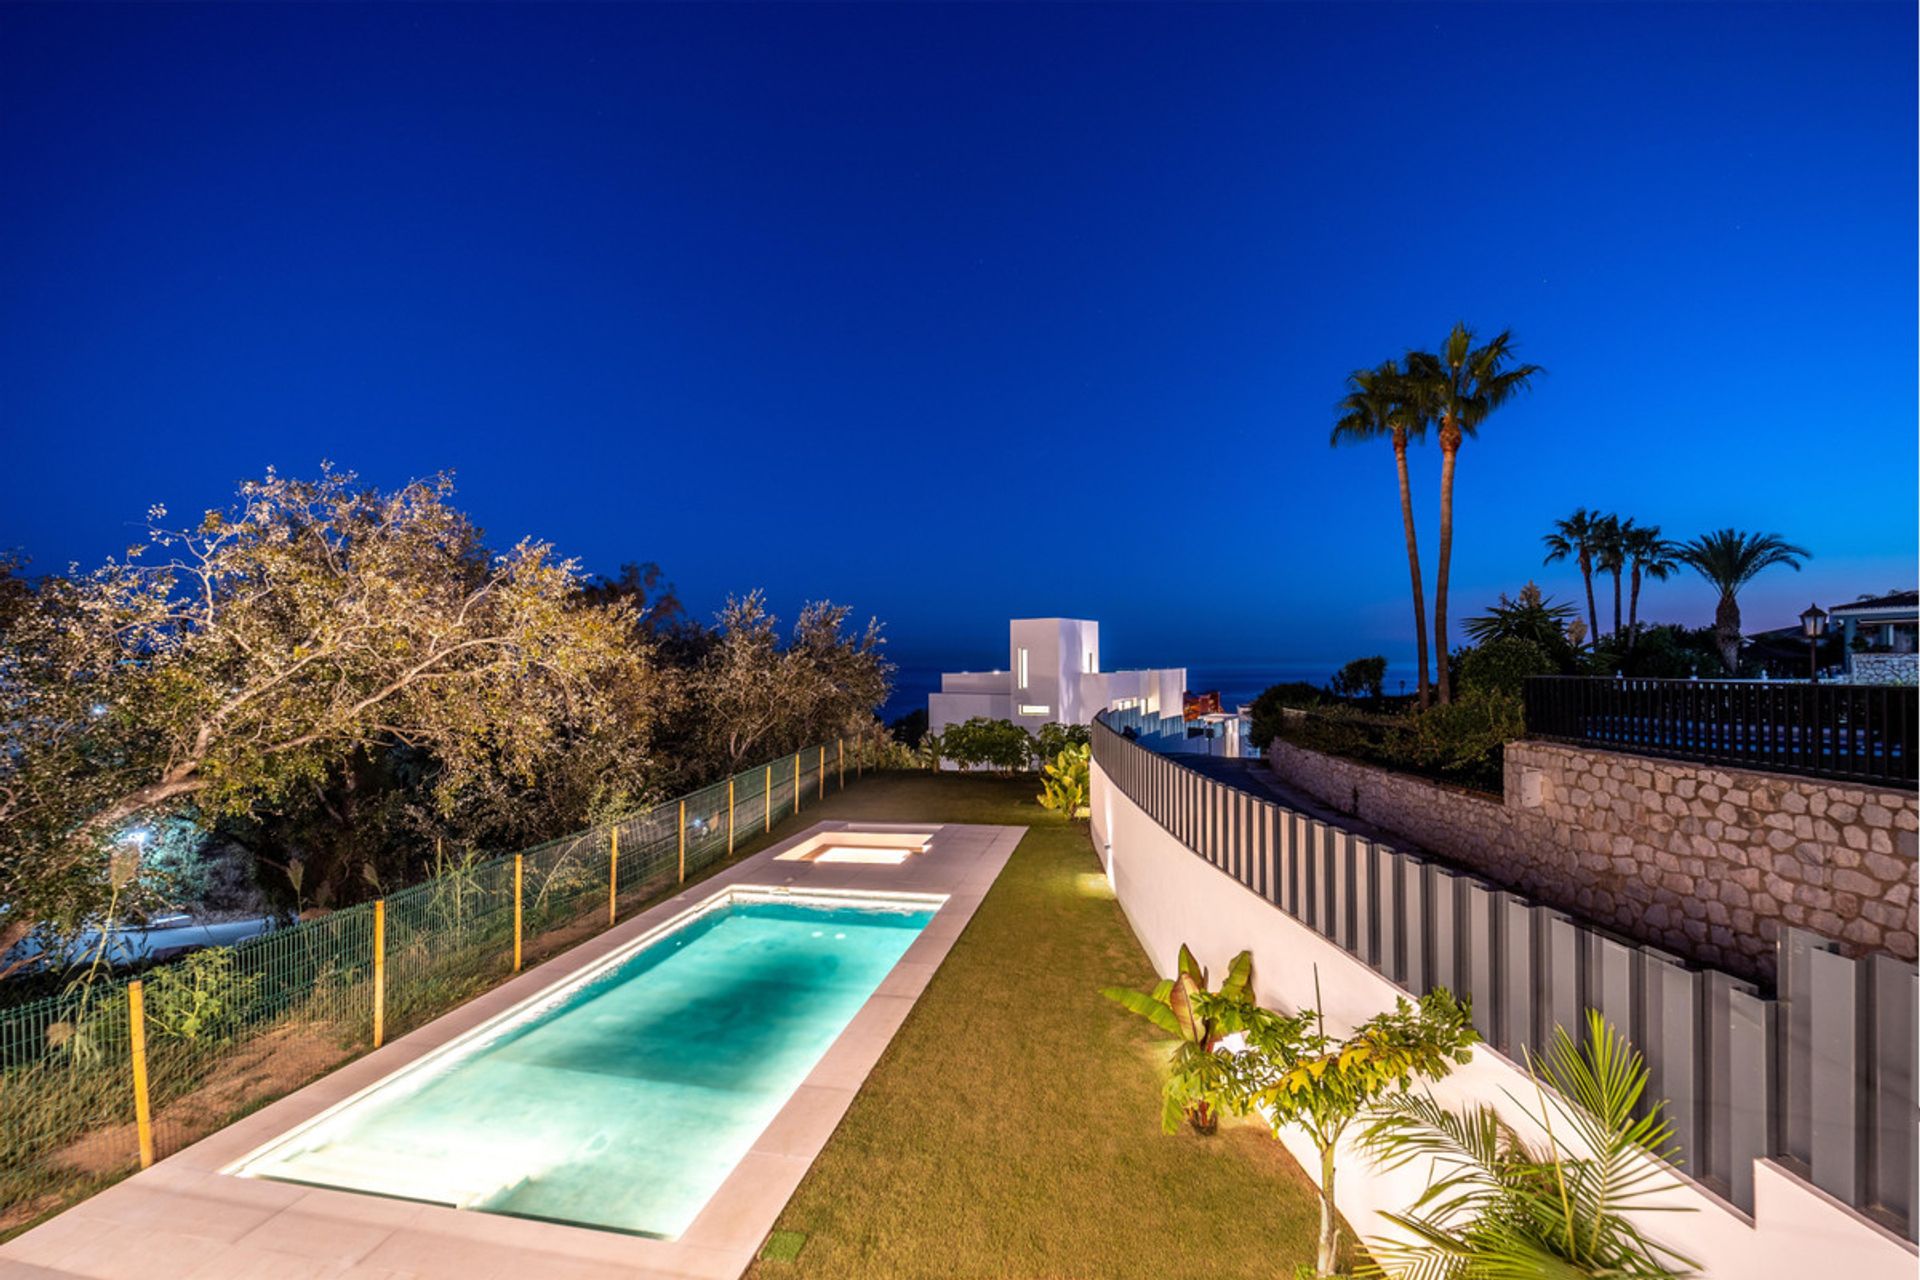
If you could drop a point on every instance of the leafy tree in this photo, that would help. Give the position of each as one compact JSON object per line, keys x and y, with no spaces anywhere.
{"x":1055,"y":738}
{"x":655,"y":602}
{"x":981,"y":741}
{"x":1578,"y":538}
{"x":239,"y":661}
{"x":1066,"y":782}
{"x":1267,"y":710}
{"x":1529,"y":615}
{"x":1295,"y":1073}
{"x":1500,"y":1208}
{"x":1460,"y":386}
{"x":1202,"y":1078}
{"x":1380,"y":403}
{"x":1651,"y":556}
{"x":757,"y":697}
{"x":1503,"y":666}
{"x":910,"y":728}
{"x":1730,"y":559}
{"x":1361,"y":678}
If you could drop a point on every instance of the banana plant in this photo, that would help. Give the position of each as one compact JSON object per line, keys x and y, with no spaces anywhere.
{"x":1064,"y":781}
{"x":1198,"y":1018}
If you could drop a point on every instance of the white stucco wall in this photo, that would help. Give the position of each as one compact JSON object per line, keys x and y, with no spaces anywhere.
{"x":1172,"y":896}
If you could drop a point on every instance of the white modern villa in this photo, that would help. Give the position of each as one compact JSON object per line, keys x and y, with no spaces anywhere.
{"x":1052,"y":675}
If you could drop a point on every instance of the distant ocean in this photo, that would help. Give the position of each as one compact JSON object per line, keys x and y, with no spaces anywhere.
{"x":1237,"y":684}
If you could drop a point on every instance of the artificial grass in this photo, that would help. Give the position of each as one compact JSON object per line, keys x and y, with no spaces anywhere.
{"x":1012,"y":1128}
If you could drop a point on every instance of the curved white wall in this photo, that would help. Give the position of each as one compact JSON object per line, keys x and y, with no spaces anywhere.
{"x":1172,"y":896}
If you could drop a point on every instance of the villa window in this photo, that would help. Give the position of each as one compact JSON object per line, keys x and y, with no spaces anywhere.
{"x":1027,"y":710}
{"x":1023,"y":668}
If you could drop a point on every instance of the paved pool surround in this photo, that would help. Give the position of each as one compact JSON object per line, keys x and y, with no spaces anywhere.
{"x":188,"y":1217}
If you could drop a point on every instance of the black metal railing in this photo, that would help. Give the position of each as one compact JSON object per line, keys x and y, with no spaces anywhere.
{"x":1862,"y":733}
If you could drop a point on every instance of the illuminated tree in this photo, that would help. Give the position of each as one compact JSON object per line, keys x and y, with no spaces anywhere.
{"x":238,"y":663}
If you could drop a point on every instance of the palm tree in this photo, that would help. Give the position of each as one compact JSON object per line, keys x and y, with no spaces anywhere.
{"x":1499,"y":1205}
{"x":1378,"y":403}
{"x":1651,"y":557}
{"x":1730,"y":559}
{"x":1460,"y":387}
{"x":1578,"y":537}
{"x":1610,"y":556}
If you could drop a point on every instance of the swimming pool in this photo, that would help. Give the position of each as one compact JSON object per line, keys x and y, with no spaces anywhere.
{"x":622,"y":1097}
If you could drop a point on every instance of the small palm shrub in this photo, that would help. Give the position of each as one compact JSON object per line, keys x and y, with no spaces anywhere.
{"x":1183,"y":1007}
{"x":1500,"y":1208}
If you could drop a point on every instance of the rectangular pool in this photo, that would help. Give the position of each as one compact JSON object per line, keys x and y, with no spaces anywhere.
{"x":622,"y":1097}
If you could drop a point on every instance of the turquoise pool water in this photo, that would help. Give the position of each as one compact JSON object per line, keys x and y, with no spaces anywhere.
{"x":623,"y":1102}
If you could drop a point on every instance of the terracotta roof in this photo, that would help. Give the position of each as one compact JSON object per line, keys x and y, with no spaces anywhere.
{"x":1898,"y":600}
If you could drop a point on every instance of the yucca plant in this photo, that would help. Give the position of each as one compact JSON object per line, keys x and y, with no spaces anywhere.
{"x":1183,"y":1007}
{"x":1500,"y":1208}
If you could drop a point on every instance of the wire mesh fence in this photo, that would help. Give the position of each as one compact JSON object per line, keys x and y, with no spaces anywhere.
{"x":116,"y":1072}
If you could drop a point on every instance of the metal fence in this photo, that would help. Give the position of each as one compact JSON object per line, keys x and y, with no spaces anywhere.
{"x":1820,"y":1076}
{"x":1863,"y":733}
{"x":118,"y":1072}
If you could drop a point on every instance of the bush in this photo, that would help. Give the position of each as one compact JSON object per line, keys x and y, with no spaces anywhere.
{"x":1066,"y":783}
{"x":1461,"y":740}
{"x":1503,"y":666}
{"x":1055,"y":738}
{"x":978,"y":742}
{"x":1267,"y":709}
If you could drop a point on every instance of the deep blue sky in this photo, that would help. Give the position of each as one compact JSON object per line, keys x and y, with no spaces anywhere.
{"x":963,"y":313}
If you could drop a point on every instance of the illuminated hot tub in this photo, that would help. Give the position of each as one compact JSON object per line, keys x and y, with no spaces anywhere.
{"x":881,"y":848}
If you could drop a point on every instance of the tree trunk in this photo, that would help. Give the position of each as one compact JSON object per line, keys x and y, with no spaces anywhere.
{"x":1726,"y":631}
{"x":1593,"y":611}
{"x":1633,"y":610}
{"x":1449,"y":451}
{"x":1326,"y":1256}
{"x":1413,"y":562}
{"x":1616,"y":602}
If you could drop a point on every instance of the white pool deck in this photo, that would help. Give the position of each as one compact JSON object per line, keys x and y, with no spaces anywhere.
{"x":184,"y":1219}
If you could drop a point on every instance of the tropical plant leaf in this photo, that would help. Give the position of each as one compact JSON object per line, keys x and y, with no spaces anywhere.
{"x":1155,"y":1011}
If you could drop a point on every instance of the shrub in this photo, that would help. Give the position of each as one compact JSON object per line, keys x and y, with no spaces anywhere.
{"x":1000,"y":744}
{"x":1055,"y":738}
{"x":1503,"y":665}
{"x":1268,"y":707}
{"x":1066,"y":781}
{"x":1461,"y":739}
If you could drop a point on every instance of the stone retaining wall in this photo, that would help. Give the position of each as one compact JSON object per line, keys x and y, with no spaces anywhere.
{"x":1701,"y":861}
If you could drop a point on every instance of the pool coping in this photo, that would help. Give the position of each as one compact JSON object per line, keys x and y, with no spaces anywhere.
{"x":186,"y":1210}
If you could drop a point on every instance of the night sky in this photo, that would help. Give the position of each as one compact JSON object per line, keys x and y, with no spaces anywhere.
{"x":962,"y":313}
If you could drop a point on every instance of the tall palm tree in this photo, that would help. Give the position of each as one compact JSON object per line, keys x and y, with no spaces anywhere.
{"x":1460,"y":386}
{"x":1610,"y":556}
{"x":1378,"y":403}
{"x":1730,"y":559}
{"x":1577,"y":537}
{"x":1651,"y":556}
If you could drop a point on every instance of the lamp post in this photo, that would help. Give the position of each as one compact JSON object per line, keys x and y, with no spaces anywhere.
{"x":1814,"y":624}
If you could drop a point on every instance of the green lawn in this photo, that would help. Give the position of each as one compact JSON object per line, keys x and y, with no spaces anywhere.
{"x":1013,"y":1127}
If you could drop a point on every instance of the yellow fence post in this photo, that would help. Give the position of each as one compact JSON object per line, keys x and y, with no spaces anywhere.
{"x":768,"y":794}
{"x":823,"y":771}
{"x":379,"y":972}
{"x":519,"y":880}
{"x":683,"y":842}
{"x":613,"y":879}
{"x":729,"y":817}
{"x":840,"y":758}
{"x":796,"y":782}
{"x":137,"y":1039}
